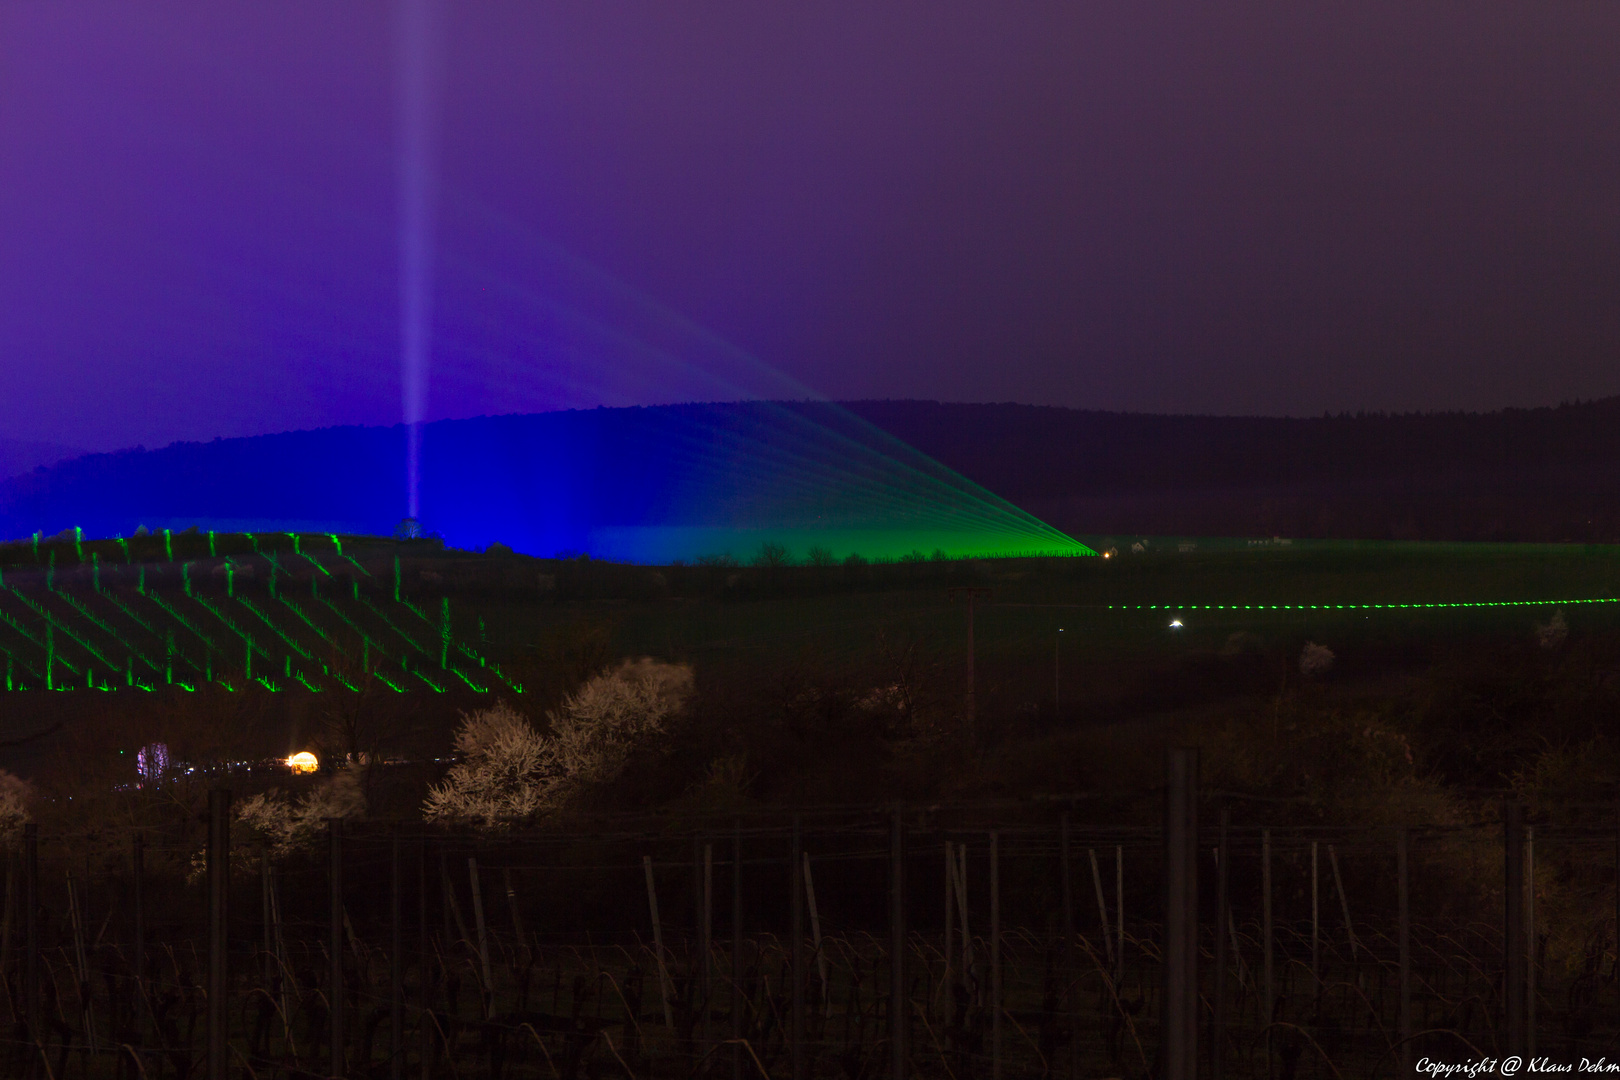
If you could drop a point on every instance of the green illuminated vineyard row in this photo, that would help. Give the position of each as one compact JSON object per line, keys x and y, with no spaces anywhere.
{"x":192,"y":646}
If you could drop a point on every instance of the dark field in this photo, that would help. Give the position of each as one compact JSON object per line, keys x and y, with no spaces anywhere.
{"x":834,"y":695}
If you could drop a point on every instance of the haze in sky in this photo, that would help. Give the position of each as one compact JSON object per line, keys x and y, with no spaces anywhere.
{"x":1164,"y":206}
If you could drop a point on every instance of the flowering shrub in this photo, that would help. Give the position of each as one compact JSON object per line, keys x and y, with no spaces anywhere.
{"x":15,"y":794}
{"x":285,"y":826}
{"x":1553,"y":633}
{"x":510,"y":772}
{"x":1315,"y":659}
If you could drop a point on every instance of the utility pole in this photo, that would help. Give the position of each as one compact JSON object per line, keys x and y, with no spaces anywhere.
{"x":972,"y":592}
{"x":1057,"y":682}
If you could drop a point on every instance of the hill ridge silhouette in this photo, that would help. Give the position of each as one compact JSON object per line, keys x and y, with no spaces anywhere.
{"x":1545,"y":473}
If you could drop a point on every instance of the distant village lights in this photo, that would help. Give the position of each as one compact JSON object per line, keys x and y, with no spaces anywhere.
{"x":151,"y":762}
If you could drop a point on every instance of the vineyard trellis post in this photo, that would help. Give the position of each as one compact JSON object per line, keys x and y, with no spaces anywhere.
{"x":1344,"y":900}
{"x":77,"y":917}
{"x":995,"y":956}
{"x":1223,"y":916}
{"x":1179,"y":1040}
{"x":219,"y":886}
{"x":1530,"y":939}
{"x":1102,"y":907}
{"x":658,"y":942}
{"x":796,"y":948}
{"x":520,"y":937}
{"x":694,"y":946}
{"x":1316,"y":922}
{"x":334,"y":988}
{"x":736,"y":953}
{"x":1119,"y":913}
{"x":897,"y":947}
{"x":969,"y":968}
{"x":1513,"y":965}
{"x":423,"y":980}
{"x":950,"y":939}
{"x":479,"y":927}
{"x":707,"y":946}
{"x":138,"y":902}
{"x":7,"y":921}
{"x":1403,"y":850}
{"x":1268,"y":1003}
{"x":816,"y":949}
{"x":264,"y":917}
{"x":1069,"y":973}
{"x":31,"y":930}
{"x":396,"y":965}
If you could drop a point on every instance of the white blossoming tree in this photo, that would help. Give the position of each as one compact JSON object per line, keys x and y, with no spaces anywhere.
{"x":1552,"y":634}
{"x":1315,"y":659}
{"x":503,"y":774}
{"x":15,"y":795}
{"x":509,"y":772}
{"x":285,"y":826}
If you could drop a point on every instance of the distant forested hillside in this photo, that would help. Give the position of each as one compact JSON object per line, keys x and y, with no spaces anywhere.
{"x":1548,"y":474}
{"x":18,"y":456}
{"x":1520,"y":474}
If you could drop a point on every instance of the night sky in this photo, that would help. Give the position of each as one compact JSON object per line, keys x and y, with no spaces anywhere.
{"x":1235,"y":208}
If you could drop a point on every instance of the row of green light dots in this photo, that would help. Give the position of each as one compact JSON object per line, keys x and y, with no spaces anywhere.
{"x":1359,"y":607}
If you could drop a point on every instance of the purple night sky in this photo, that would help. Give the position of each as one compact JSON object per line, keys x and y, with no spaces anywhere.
{"x":1240,"y":207}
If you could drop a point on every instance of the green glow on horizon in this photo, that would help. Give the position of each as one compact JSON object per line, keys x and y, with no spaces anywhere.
{"x":897,"y":544}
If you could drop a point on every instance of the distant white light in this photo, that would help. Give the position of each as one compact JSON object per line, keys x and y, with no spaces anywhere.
{"x":1175,"y":624}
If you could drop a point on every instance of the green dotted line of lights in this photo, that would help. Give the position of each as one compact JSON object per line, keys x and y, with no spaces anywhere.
{"x":1360,"y":607}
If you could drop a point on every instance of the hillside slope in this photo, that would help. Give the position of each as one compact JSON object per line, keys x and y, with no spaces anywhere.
{"x":589,"y":480}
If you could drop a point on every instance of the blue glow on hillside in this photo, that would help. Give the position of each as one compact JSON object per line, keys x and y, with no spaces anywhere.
{"x":638,"y":484}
